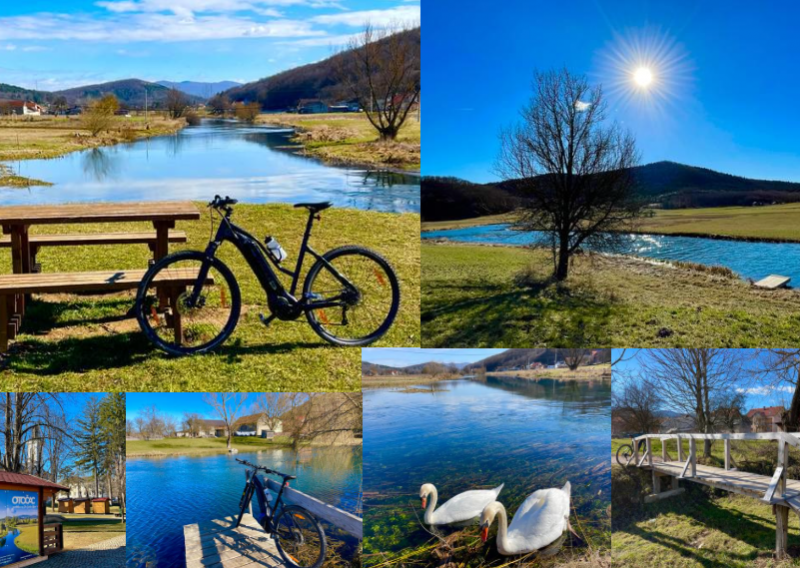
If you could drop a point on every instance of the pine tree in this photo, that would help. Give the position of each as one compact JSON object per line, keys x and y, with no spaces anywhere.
{"x":91,"y":442}
{"x":112,"y":416}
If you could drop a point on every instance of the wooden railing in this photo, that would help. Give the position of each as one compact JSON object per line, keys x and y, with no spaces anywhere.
{"x":777,"y":484}
{"x":52,"y":538}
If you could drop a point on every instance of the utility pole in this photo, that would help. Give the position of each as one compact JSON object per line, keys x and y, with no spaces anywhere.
{"x":145,"y":107}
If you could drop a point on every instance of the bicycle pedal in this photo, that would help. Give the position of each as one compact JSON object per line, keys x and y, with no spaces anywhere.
{"x":266,"y":320}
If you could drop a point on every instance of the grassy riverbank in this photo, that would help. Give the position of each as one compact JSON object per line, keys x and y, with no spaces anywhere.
{"x":593,"y":373}
{"x":36,"y":137}
{"x":381,"y":381}
{"x":9,"y":179}
{"x":771,"y":222}
{"x":91,"y":343}
{"x":349,"y":138}
{"x":699,"y":528}
{"x":483,"y":296}
{"x":199,"y":446}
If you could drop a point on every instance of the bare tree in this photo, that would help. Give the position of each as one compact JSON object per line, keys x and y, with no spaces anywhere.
{"x":192,"y":423}
{"x":689,"y":380}
{"x":729,"y":409}
{"x":636,"y":402}
{"x":99,"y":114}
{"x":434,"y":369}
{"x":328,"y":415}
{"x":177,"y":102}
{"x":572,"y":168}
{"x":229,"y":407}
{"x":220,"y":104}
{"x":574,"y":358}
{"x":273,"y":406}
{"x":381,"y":70}
{"x":29,"y":419}
{"x":781,"y":370}
{"x":247,"y":111}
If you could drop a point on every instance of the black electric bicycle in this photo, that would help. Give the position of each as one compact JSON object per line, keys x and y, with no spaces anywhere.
{"x":298,"y":536}
{"x":625,"y":453}
{"x":350,"y":295}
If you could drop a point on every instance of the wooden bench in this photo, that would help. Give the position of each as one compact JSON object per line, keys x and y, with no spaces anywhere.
{"x":13,"y":285}
{"x":79,"y":239}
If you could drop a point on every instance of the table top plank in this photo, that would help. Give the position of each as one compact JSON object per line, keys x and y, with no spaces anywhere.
{"x":98,"y":213}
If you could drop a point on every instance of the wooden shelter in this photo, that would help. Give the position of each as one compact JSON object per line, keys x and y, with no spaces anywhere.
{"x":101,"y":505}
{"x":50,"y":536}
{"x":83,"y":505}
{"x":66,"y":505}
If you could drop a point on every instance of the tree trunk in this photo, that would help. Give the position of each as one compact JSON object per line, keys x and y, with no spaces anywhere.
{"x":389,"y":133}
{"x":229,"y":439}
{"x":562,"y":269}
{"x":792,"y":417}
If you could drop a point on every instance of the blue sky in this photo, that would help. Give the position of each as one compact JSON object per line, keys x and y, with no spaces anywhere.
{"x":54,"y":45}
{"x":726,"y":74}
{"x":403,"y":357}
{"x":175,"y":404}
{"x":755,"y":386}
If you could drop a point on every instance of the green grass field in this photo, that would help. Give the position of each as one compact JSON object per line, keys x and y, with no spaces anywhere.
{"x":472,"y":297}
{"x":175,"y":446}
{"x":86,"y":343}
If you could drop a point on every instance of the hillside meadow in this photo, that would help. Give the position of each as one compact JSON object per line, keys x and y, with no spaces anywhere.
{"x":493,"y":296}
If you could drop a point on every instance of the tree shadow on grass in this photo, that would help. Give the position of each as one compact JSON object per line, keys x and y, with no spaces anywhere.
{"x":737,"y":525}
{"x":540,"y":312}
{"x":42,"y":317}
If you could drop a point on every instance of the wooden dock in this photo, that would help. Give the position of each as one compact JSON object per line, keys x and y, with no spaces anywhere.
{"x":773,"y":281}
{"x":219,"y":544}
{"x":776,"y":490}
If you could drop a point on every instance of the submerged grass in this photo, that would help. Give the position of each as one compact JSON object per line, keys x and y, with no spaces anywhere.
{"x":473,"y":297}
{"x":75,"y":342}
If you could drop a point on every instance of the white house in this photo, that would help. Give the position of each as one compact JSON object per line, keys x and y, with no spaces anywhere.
{"x":27,"y":108}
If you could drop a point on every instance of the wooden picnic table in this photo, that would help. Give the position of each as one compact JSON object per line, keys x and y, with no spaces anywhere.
{"x":17,"y":220}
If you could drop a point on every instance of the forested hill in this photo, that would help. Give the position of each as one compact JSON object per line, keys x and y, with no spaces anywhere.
{"x":666,"y":184}
{"x":312,"y":81}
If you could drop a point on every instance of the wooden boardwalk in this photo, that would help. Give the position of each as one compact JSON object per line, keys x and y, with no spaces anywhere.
{"x":218,"y":544}
{"x":776,"y":490}
{"x":773,"y":281}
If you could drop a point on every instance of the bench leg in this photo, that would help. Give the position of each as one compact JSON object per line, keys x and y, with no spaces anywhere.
{"x":177,"y":325}
{"x":4,"y":323}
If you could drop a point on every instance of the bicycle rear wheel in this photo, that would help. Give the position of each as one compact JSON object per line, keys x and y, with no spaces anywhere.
{"x":170,"y":316}
{"x":300,"y":538}
{"x":367,"y":306}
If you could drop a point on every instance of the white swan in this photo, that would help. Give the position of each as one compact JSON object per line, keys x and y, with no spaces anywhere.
{"x":463,"y":507}
{"x":539,"y":521}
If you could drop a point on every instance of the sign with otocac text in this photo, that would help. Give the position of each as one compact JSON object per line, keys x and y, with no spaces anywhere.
{"x":19,"y":526}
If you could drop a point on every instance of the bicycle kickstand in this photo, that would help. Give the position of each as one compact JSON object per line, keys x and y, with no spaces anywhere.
{"x":266,"y":320}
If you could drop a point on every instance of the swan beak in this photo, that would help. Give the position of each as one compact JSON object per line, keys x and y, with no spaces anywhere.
{"x":484,"y":534}
{"x":424,"y":501}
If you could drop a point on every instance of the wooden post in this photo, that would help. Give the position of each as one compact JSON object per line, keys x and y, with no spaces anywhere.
{"x":783,"y":461}
{"x":635,"y":445}
{"x":649,"y":446}
{"x":664,"y":450}
{"x":727,"y":454}
{"x":680,"y":450}
{"x":781,"y":530}
{"x":4,"y":323}
{"x":675,"y":483}
{"x":656,"y":482}
{"x":41,"y":521}
{"x":693,"y":456}
{"x":177,"y":326}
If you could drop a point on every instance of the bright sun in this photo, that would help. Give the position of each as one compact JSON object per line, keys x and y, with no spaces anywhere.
{"x":643,"y":76}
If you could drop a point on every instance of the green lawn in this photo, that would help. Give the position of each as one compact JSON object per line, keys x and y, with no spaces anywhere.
{"x":776,"y":222}
{"x":85,"y":343}
{"x":78,"y":534}
{"x":28,"y":538}
{"x":484,"y":296}
{"x":172,"y":446}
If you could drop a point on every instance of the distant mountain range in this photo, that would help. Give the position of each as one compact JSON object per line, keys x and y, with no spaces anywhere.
{"x":666,"y":184}
{"x":200,"y":89}
{"x":508,"y":358}
{"x":130,"y":92}
{"x":313,"y":81}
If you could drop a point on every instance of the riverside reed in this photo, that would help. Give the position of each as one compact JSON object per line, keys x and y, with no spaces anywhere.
{"x":489,"y":296}
{"x":77,"y":342}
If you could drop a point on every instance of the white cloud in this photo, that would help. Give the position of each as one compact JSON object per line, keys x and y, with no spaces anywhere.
{"x":581,"y":106}
{"x":374,"y":17}
{"x":190,"y":7}
{"x":149,"y":27}
{"x":765,"y":391}
{"x":28,"y":48}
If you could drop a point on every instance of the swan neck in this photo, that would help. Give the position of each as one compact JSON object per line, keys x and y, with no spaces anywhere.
{"x":502,"y":529}
{"x":432,"y":500}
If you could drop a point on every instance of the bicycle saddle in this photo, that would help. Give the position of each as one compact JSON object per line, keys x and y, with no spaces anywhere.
{"x":315,"y":207}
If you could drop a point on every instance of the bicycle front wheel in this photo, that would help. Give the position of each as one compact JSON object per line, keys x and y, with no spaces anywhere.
{"x":364,"y":288}
{"x":300,"y":538}
{"x":180,"y":313}
{"x":624,"y":455}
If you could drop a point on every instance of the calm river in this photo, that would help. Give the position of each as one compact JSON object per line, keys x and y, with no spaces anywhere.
{"x":167,"y":493}
{"x":749,"y":260}
{"x":465,"y":434}
{"x":255,"y":164}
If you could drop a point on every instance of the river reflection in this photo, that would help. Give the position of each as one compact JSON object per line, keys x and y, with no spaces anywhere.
{"x":256,"y":164}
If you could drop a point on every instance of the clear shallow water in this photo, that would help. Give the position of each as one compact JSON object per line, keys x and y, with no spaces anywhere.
{"x":255,"y":164}
{"x":465,"y":434}
{"x":749,"y":260}
{"x":164,"y":494}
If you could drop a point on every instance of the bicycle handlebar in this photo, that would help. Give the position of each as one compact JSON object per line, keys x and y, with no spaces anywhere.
{"x":220,"y":202}
{"x":266,"y":469}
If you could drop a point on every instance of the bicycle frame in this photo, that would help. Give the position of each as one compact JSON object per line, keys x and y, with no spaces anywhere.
{"x":254,"y":485}
{"x":261,"y":263}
